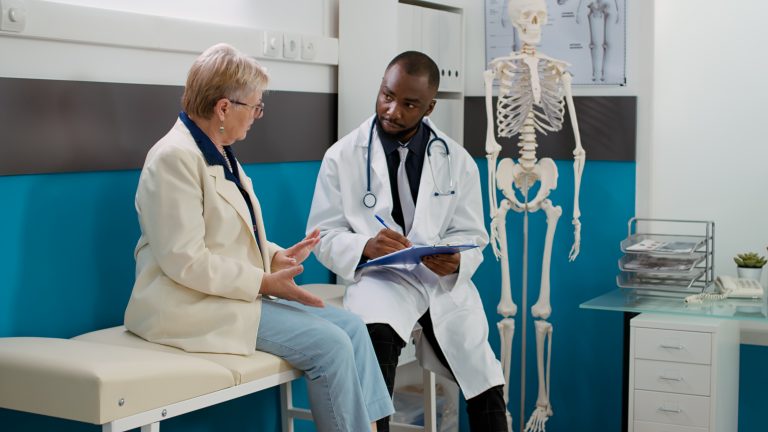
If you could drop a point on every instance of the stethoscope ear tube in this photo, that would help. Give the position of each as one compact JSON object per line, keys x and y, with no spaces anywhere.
{"x":369,"y":198}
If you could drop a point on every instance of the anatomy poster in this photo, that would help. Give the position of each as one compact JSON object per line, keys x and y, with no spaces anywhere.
{"x":588,"y":34}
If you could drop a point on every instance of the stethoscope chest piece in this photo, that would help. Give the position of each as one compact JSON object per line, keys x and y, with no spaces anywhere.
{"x":369,"y":199}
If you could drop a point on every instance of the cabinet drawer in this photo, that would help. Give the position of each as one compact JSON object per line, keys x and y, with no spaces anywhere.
{"x":673,"y":345}
{"x":687,"y":378}
{"x":672,"y":408}
{"x":660,"y":427}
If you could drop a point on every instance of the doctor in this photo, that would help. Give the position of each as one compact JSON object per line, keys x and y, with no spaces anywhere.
{"x":426,"y":188}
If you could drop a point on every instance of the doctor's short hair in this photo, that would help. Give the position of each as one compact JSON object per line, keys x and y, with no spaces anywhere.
{"x":418,"y":64}
{"x":221,"y":71}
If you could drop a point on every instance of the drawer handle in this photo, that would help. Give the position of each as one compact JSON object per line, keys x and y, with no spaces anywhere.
{"x":670,"y":378}
{"x":677,"y":347}
{"x":667,"y":410}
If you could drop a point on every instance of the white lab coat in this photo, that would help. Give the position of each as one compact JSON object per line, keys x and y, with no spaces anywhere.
{"x":400,"y":296}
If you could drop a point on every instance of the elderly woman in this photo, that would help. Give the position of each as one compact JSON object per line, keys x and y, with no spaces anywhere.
{"x":204,"y":265}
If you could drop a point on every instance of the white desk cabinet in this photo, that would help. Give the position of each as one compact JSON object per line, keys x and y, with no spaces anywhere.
{"x":683,"y":374}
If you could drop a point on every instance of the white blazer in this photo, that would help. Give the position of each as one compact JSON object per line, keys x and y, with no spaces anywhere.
{"x":198,"y":265}
{"x":397,"y":296}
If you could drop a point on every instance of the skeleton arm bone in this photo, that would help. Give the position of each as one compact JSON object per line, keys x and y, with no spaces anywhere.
{"x":498,"y":224}
{"x":492,"y":148}
{"x":616,"y":2}
{"x":579,"y":156}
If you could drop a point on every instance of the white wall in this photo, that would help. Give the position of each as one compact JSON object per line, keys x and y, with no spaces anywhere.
{"x":230,"y":21}
{"x":708,"y":149}
{"x":299,"y":16}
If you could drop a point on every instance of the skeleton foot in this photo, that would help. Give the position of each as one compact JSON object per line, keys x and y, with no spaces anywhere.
{"x":537,"y":421}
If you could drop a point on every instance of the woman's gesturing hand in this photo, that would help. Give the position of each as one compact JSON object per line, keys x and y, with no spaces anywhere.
{"x":297,"y":253}
{"x":281,"y":284}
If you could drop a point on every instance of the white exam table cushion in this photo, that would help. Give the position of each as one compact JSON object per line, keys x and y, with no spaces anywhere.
{"x":86,"y":381}
{"x":86,"y":378}
{"x":243,"y":368}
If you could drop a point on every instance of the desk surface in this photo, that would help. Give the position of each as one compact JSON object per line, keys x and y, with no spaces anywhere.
{"x":625,"y":300}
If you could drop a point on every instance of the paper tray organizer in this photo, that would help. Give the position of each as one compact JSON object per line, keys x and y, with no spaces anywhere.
{"x":667,"y":263}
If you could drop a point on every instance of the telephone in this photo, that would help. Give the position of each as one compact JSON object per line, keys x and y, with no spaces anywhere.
{"x":730,"y":287}
{"x":739,"y":287}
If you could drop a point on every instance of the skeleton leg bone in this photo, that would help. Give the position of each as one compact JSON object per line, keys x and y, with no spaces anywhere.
{"x":506,"y":308}
{"x":507,"y":332}
{"x":542,"y":308}
{"x":542,"y":413}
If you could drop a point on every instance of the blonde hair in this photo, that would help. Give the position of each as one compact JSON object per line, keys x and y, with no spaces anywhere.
{"x":221,"y":71}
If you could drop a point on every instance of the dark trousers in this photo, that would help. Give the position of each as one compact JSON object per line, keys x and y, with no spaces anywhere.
{"x":487,"y":411}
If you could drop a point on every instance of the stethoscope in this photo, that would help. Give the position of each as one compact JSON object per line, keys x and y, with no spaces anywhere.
{"x":369,"y":199}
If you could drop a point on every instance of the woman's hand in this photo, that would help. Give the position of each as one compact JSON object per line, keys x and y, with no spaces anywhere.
{"x":281,"y":284}
{"x":295,"y":254}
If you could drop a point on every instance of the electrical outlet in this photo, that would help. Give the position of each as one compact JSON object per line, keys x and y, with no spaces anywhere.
{"x":14,"y":15}
{"x":308,"y":48}
{"x":272,"y":43}
{"x":291,"y":45}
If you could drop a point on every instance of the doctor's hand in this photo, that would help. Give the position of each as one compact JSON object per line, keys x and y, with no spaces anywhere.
{"x":443,"y":264}
{"x":385,"y":242}
{"x":281,"y":284}
{"x":295,"y":254}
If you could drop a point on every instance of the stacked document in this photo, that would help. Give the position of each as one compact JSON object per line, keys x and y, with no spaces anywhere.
{"x":677,"y":247}
{"x":413,"y":254}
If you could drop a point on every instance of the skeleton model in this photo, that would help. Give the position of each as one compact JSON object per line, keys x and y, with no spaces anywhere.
{"x":533,"y":89}
{"x":599,"y":12}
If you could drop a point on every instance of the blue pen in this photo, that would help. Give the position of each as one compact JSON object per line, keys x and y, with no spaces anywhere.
{"x":381,"y":221}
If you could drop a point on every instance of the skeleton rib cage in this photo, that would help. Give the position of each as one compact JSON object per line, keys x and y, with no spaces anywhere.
{"x":517,"y":99}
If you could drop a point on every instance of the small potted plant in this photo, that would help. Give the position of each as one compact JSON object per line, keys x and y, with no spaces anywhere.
{"x":750,"y":265}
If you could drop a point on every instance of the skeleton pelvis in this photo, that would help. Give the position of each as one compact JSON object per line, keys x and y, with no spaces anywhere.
{"x":511,"y":176}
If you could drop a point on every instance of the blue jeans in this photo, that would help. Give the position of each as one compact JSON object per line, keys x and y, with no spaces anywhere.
{"x":331,"y":346}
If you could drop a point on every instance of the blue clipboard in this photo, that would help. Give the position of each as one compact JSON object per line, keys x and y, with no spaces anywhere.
{"x":413,"y":254}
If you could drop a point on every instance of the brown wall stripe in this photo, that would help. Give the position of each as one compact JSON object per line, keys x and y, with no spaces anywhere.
{"x":50,"y":126}
{"x":607,"y":125}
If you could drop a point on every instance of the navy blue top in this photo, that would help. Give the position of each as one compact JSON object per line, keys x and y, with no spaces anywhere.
{"x":213,"y":157}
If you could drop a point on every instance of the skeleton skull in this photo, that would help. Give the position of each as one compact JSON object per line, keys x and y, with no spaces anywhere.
{"x":528,"y":16}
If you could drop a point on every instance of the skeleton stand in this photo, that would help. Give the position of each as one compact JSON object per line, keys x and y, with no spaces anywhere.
{"x":533,"y":91}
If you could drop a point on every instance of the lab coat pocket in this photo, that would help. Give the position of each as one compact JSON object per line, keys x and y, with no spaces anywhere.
{"x":457,"y":293}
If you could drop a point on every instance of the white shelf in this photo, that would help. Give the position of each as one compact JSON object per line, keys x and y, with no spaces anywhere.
{"x":435,"y":28}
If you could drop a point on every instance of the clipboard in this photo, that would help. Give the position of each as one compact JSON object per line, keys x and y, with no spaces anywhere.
{"x":413,"y":254}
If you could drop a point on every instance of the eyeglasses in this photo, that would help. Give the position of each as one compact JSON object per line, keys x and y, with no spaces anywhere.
{"x":258,"y":109}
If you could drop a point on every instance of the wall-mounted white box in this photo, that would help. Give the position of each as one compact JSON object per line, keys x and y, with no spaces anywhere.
{"x":14,"y":15}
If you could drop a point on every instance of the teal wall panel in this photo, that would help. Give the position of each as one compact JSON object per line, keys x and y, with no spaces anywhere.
{"x":67,"y":266}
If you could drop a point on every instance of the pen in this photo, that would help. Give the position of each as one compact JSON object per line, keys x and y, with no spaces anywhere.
{"x":381,"y":221}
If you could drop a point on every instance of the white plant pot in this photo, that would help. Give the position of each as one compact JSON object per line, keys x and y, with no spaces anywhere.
{"x":749,"y":273}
